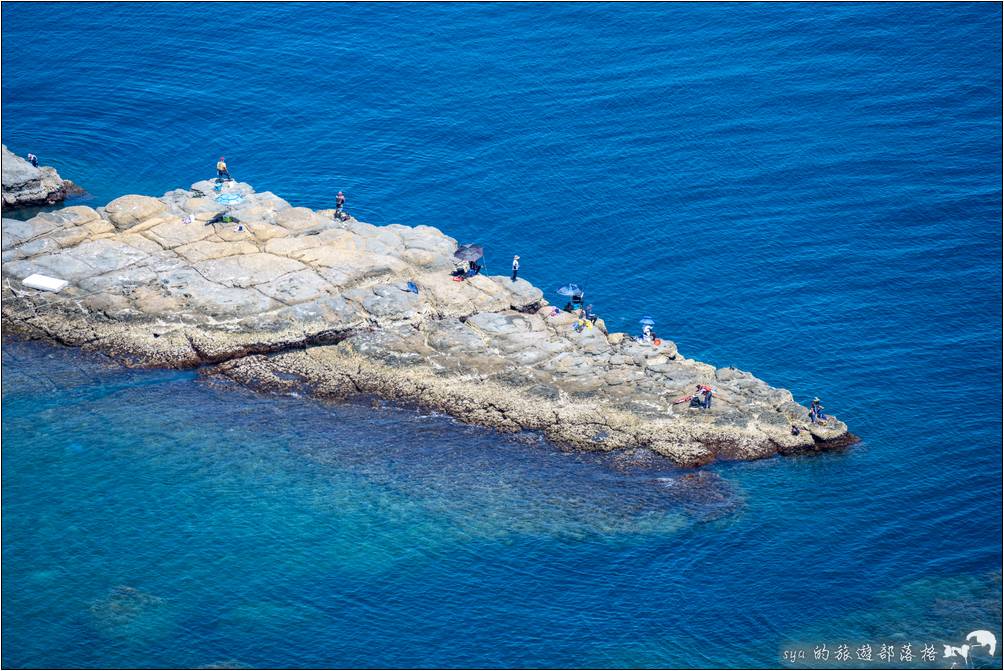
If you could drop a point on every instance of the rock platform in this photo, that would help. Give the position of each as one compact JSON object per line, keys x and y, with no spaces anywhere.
{"x":287,"y":298}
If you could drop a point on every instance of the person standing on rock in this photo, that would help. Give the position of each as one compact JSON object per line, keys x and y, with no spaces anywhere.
{"x":33,"y":160}
{"x":515,"y":267}
{"x":221,"y":170}
{"x":339,"y":202}
{"x":816,"y":411}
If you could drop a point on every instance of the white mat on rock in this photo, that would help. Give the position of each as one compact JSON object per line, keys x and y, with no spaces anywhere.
{"x":44,"y":282}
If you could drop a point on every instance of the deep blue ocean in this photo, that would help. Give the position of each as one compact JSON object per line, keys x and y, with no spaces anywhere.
{"x":808,"y":191}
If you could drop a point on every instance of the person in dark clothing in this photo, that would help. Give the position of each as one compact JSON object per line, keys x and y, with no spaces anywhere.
{"x":515,"y":267}
{"x":474,"y":269}
{"x":33,"y":160}
{"x":339,"y":202}
{"x":569,"y":307}
{"x":816,"y":411}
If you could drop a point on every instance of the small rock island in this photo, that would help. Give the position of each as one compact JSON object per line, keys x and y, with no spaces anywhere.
{"x":25,"y":185}
{"x":246,"y":286}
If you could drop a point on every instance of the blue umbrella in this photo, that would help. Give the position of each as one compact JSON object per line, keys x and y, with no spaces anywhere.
{"x":469,"y":252}
{"x":646,"y":321}
{"x":230,"y":199}
{"x":570,"y":290}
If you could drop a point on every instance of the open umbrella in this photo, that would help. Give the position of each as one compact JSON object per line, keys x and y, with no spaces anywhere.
{"x":646,"y":321}
{"x":230,"y":199}
{"x":469,"y":252}
{"x":570,"y":290}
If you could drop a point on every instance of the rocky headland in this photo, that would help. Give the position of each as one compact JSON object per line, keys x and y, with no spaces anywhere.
{"x":284,"y":298}
{"x":24,"y":185}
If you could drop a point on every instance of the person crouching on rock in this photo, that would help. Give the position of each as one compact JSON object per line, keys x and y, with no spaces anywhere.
{"x":221,"y":170}
{"x":708,"y":392}
{"x":515,"y":267}
{"x":33,"y":160}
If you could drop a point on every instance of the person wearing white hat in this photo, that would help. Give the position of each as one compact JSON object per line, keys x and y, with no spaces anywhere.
{"x":816,"y":411}
{"x":515,"y":267}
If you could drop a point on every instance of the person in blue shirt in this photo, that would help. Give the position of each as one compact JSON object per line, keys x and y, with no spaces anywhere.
{"x":816,"y":411}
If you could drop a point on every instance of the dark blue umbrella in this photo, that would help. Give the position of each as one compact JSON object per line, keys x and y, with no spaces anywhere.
{"x":469,"y":252}
{"x":570,"y":290}
{"x":646,"y":321}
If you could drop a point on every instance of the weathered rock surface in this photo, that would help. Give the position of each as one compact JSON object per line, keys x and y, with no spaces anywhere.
{"x":25,"y":185}
{"x":291,"y":298}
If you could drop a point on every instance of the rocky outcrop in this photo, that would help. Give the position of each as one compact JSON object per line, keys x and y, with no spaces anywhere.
{"x":282,"y":298}
{"x":25,"y":185}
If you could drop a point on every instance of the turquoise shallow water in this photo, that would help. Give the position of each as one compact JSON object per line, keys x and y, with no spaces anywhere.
{"x":162,"y":519}
{"x":808,"y":192}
